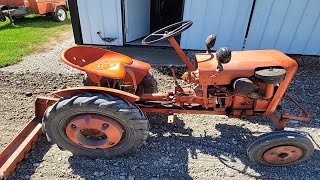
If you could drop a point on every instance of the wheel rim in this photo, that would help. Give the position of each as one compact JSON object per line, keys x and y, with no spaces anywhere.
{"x":283,"y":155}
{"x":94,"y":131}
{"x":61,"y":15}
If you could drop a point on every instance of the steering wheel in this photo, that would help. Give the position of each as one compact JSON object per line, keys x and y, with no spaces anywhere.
{"x":167,"y":32}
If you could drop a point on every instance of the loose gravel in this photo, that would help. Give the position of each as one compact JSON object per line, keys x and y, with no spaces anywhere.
{"x":194,"y":147}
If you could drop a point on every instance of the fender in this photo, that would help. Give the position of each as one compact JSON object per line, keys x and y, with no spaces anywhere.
{"x":43,"y":102}
{"x":59,"y":4}
{"x":94,"y":89}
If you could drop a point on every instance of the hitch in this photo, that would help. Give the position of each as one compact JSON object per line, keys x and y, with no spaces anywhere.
{"x":280,"y":119}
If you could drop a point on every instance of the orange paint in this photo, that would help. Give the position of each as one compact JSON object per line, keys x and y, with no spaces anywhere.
{"x":19,"y":147}
{"x":182,"y":55}
{"x":269,"y":91}
{"x":98,"y":63}
{"x":94,"y":131}
{"x":283,"y":155}
{"x":78,"y":90}
{"x":36,"y":6}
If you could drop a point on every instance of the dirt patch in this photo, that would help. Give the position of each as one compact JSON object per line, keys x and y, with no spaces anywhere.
{"x":16,"y":109}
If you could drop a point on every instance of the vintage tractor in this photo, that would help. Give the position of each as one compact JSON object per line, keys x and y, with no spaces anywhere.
{"x":105,"y":118}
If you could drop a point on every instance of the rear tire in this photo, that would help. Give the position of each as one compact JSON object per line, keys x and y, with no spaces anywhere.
{"x":129,"y":117}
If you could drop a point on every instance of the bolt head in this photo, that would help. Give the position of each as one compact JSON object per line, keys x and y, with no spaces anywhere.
{"x":73,"y":127}
{"x":104,"y":126}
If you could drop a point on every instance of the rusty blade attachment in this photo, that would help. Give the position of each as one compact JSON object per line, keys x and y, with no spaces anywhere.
{"x":19,"y":147}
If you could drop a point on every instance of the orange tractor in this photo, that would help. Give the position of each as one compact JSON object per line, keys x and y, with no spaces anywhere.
{"x":105,"y":118}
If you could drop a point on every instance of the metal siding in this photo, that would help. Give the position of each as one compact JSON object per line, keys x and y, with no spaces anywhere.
{"x":228,"y":19}
{"x":291,"y":26}
{"x":100,"y":15}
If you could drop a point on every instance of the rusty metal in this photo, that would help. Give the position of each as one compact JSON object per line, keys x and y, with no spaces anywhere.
{"x":94,"y":131}
{"x":181,"y":111}
{"x":305,"y":114}
{"x":16,"y":150}
{"x":78,"y":90}
{"x":14,"y":153}
{"x":269,"y":91}
{"x":209,"y":92}
{"x":283,"y":155}
{"x":278,"y":121}
{"x":182,"y":55}
{"x":155,"y":97}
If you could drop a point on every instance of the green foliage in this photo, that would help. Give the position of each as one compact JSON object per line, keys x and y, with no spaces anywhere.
{"x":28,"y":34}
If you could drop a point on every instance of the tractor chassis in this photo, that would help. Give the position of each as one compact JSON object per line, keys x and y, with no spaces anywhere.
{"x":16,"y":151}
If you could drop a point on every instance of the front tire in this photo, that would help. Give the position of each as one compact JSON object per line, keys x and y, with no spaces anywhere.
{"x":280,"y":148}
{"x":96,"y":125}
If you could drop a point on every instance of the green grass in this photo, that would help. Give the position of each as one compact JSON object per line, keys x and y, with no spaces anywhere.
{"x":28,"y":35}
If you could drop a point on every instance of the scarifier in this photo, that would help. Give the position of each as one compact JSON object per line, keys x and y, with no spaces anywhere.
{"x":105,"y":118}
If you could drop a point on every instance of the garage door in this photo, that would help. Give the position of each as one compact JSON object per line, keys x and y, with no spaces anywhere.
{"x":291,"y":26}
{"x":228,"y":19}
{"x":102,"y":16}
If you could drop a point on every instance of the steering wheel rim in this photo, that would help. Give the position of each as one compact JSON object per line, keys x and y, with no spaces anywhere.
{"x":180,"y":27}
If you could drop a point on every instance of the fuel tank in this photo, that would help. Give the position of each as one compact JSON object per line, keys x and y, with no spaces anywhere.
{"x":242,"y":64}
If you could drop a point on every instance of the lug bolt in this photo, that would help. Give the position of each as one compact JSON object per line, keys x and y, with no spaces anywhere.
{"x":104,"y":126}
{"x":73,"y":127}
{"x":111,"y":143}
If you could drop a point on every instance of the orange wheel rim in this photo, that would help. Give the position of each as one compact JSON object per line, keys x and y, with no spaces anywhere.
{"x":94,"y":131}
{"x":283,"y":155}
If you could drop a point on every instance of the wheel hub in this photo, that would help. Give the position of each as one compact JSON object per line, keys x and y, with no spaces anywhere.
{"x":61,"y":14}
{"x":283,"y":155}
{"x":94,"y":131}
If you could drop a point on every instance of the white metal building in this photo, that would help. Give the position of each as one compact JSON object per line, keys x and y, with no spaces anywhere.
{"x":292,"y":26}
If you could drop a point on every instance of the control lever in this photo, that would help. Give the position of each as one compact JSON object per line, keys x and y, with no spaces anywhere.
{"x":223,"y":57}
{"x":177,"y":87}
{"x":210,"y":42}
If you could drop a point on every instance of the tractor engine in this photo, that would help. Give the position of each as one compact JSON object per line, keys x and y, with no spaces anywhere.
{"x":241,"y":85}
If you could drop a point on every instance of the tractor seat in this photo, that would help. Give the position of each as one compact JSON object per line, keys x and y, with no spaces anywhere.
{"x":111,"y":66}
{"x":97,"y":61}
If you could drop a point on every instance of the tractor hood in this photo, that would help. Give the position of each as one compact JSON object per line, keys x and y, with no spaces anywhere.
{"x":242,"y":64}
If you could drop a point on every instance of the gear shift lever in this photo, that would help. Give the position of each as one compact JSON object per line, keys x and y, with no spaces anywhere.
{"x":210,"y":41}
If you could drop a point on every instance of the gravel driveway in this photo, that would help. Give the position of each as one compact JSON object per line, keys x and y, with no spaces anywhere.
{"x":195,"y":147}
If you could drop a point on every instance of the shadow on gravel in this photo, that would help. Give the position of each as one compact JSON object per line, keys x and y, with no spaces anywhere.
{"x":171,"y":147}
{"x":229,"y":154}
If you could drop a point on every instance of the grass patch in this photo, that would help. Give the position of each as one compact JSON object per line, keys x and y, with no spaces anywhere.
{"x":28,"y":35}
